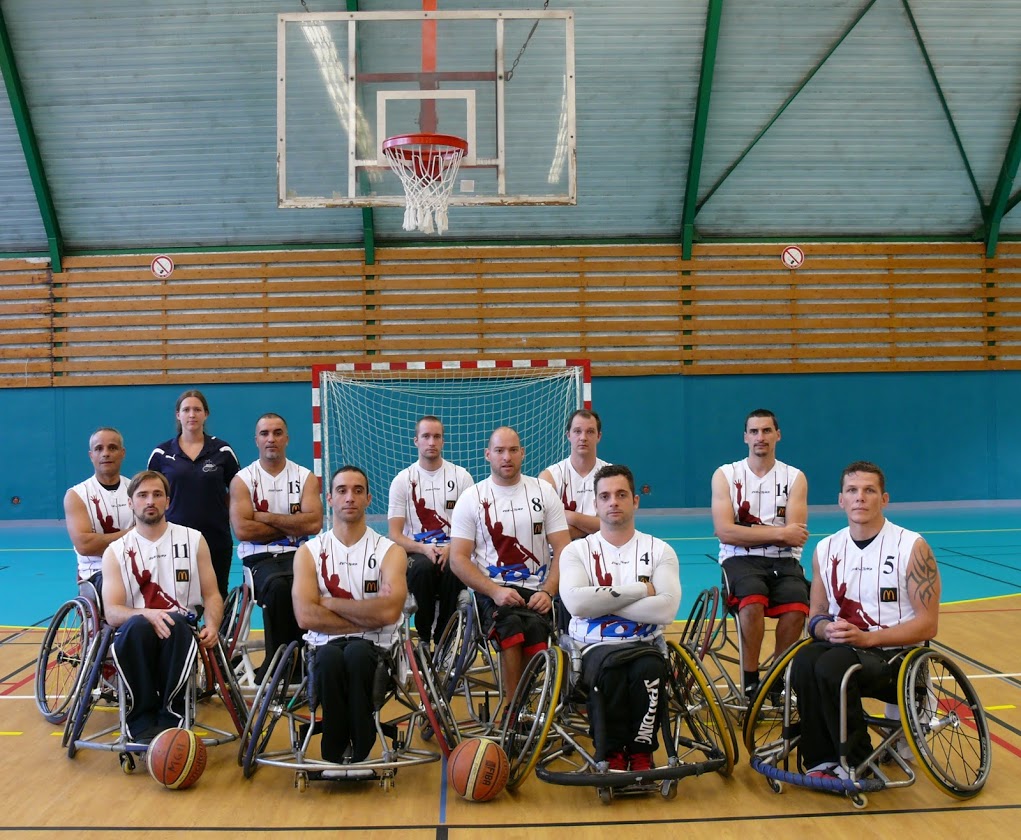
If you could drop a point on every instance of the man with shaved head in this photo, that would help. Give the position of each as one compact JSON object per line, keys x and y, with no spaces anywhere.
{"x":507,"y":533}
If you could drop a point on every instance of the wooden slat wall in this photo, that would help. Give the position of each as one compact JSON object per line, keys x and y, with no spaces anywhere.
{"x":268,"y":316}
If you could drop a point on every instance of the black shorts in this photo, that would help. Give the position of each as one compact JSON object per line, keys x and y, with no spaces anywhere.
{"x":512,"y":626}
{"x":777,"y":583}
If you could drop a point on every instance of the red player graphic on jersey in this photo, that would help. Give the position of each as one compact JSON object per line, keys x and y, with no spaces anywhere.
{"x":105,"y":522}
{"x":430,"y":519}
{"x":602,"y":578}
{"x":509,"y":552}
{"x":332,"y":581}
{"x":850,"y":611}
{"x":261,"y":505}
{"x":568,"y":505}
{"x":744,"y":516}
{"x":153,"y":595}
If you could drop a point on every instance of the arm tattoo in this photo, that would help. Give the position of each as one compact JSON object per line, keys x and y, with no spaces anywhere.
{"x":923,"y":577}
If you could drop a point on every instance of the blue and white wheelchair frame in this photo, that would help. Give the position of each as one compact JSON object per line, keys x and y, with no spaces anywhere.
{"x":939,"y":728}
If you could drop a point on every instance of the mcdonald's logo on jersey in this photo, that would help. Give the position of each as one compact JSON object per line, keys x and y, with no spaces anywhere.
{"x":888,"y":594}
{"x":781,"y":511}
{"x":295,"y":507}
{"x":536,"y":529}
{"x":370,"y":587}
{"x":451,"y":503}
{"x":182,"y":575}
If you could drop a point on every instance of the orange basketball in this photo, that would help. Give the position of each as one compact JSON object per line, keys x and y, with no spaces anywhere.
{"x":478,"y":769}
{"x":176,"y":758}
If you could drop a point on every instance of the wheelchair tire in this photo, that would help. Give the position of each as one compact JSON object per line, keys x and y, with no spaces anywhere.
{"x":696,"y":704}
{"x":86,"y":693}
{"x":61,"y":657}
{"x":764,"y":724}
{"x":435,"y":705}
{"x":271,"y":703}
{"x":944,"y":723}
{"x":530,"y":714}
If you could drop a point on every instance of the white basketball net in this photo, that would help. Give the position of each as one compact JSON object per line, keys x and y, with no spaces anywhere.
{"x":427,"y":171}
{"x":368,"y":417}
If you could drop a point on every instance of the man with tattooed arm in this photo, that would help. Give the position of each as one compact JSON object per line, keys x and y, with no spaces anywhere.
{"x":875,"y":592}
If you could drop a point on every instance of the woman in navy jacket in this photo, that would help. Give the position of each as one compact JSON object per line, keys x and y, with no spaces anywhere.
{"x":199,"y":468}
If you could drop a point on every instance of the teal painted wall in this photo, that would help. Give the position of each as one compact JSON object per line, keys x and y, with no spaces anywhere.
{"x":938,"y":436}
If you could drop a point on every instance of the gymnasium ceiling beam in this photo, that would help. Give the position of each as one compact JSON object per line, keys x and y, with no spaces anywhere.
{"x":943,"y":102}
{"x":769,"y":124}
{"x":998,"y":204}
{"x":705,"y":86}
{"x":368,"y":220}
{"x":33,"y":159}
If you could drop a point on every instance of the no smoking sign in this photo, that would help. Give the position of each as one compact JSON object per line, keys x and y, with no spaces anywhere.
{"x":162,"y":266}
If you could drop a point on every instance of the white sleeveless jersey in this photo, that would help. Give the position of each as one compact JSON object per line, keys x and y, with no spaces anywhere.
{"x":868,"y":587}
{"x":350,"y":572}
{"x":109,"y":512}
{"x":607,"y":565}
{"x":425,"y":500}
{"x":759,"y":501}
{"x":280,"y":494}
{"x":162,"y":574}
{"x":510,"y":527}
{"x":574,"y":489}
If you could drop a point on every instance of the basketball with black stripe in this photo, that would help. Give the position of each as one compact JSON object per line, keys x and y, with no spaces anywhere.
{"x":478,"y":769}
{"x":176,"y":758}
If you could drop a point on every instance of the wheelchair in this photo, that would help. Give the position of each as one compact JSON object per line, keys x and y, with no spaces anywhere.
{"x":548,"y":727}
{"x":713,"y":633}
{"x":235,"y":630}
{"x":100,"y":686}
{"x":467,"y":670}
{"x":935,"y":723}
{"x":62,"y":652}
{"x":287,"y":698}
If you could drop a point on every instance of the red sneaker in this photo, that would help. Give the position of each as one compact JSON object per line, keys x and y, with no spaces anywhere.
{"x":640,"y":762}
{"x":617,"y":760}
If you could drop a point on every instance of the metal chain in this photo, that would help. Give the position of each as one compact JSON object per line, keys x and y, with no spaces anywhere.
{"x":304,"y":5}
{"x":510,"y":73}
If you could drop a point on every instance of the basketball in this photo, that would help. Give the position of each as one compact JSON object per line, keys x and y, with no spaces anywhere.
{"x":176,"y":758}
{"x":478,"y":769}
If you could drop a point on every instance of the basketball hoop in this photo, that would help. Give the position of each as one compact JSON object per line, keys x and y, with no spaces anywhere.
{"x":427,"y":165}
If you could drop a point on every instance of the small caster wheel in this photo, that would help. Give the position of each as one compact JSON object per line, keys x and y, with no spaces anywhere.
{"x":668,"y":789}
{"x":605,"y":795}
{"x":127,"y":764}
{"x":859,"y":801}
{"x":387,"y":783}
{"x":301,"y":781}
{"x":775,"y":786}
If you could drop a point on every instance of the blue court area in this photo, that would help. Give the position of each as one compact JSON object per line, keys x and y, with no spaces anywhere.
{"x":978,"y":547}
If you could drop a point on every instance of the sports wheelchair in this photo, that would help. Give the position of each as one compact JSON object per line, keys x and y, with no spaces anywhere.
{"x":287,"y":696}
{"x":713,"y":633}
{"x":100,"y":685}
{"x":548,"y":727}
{"x":467,"y":667}
{"x":62,"y":652}
{"x":935,"y":723}
{"x":235,"y":630}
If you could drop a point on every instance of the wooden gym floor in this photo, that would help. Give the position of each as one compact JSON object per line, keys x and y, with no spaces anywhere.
{"x":979,"y":549}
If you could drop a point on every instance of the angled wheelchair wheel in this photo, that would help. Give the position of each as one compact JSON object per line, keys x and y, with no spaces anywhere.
{"x":86,"y":692}
{"x":530,"y":714}
{"x":435,"y":705}
{"x":271,"y":703}
{"x":764,"y":722}
{"x":61,"y":656}
{"x":224,"y":682}
{"x":699,"y":723}
{"x":944,"y":723}
{"x":448,"y":664}
{"x":698,"y":629}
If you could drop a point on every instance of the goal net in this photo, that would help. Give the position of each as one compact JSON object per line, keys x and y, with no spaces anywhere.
{"x":365,"y":413}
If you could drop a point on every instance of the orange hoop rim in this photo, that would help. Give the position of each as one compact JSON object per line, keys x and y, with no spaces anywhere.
{"x":443,"y":145}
